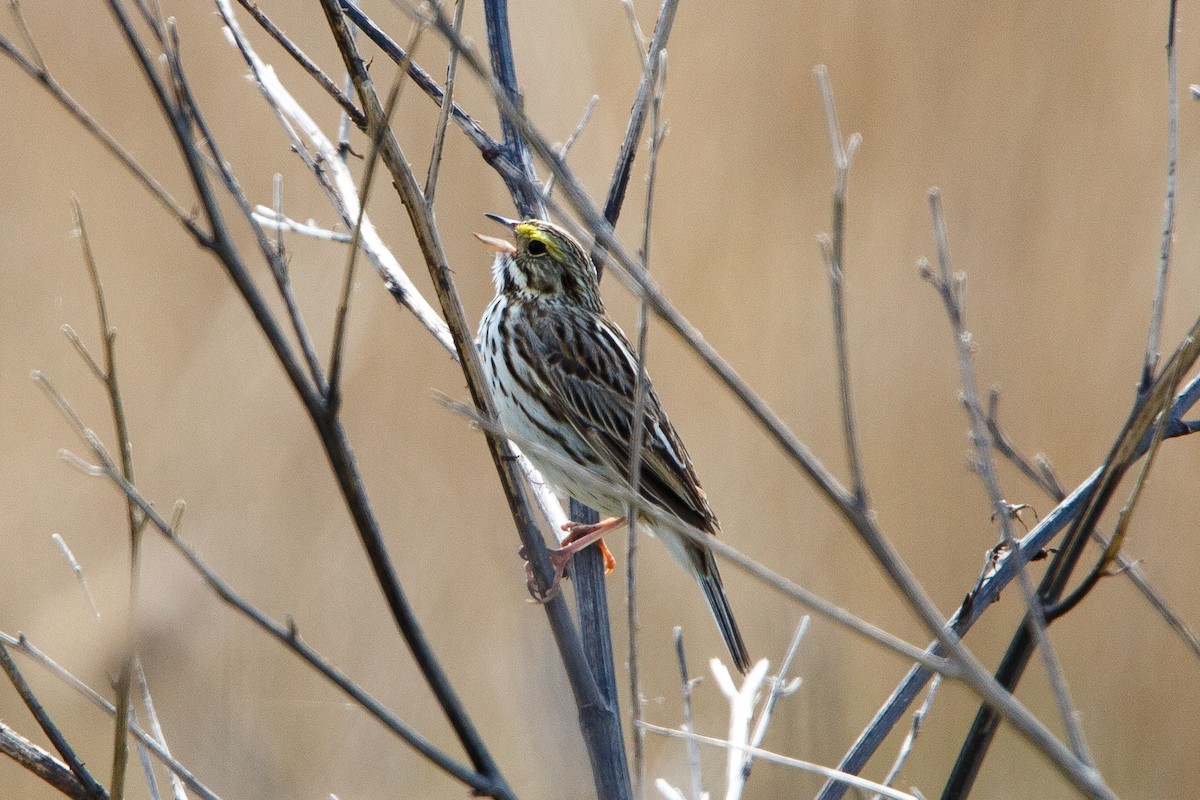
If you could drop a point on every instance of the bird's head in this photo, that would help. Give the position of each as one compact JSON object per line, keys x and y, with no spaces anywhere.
{"x":543,"y":261}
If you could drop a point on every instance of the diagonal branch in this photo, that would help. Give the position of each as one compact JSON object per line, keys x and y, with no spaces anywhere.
{"x":952,"y":289}
{"x":43,"y":765}
{"x":288,"y":635}
{"x":92,"y":789}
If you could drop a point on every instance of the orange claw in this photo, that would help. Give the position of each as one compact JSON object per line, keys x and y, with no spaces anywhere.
{"x":580,"y":535}
{"x":610,"y":563}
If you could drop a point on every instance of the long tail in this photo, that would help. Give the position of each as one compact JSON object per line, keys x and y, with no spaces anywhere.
{"x":709,"y":579}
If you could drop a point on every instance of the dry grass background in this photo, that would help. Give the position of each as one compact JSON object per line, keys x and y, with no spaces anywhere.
{"x":1044,"y":125}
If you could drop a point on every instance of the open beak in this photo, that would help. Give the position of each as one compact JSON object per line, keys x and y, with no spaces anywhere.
{"x":501,"y":246}
{"x":511,"y":224}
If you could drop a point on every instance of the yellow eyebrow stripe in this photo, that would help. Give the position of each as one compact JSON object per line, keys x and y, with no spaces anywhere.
{"x":532,"y":232}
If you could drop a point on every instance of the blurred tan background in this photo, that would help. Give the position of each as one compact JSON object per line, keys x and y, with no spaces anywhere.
{"x":1044,"y":125}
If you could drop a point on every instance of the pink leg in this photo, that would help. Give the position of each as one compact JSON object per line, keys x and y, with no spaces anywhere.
{"x":581,"y":534}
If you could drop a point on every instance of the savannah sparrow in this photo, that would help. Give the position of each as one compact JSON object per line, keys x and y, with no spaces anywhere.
{"x":564,"y":377}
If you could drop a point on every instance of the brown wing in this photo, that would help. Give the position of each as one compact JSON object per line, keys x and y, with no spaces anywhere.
{"x":590,"y":367}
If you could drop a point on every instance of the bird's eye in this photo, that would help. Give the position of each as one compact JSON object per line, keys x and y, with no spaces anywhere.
{"x":536,"y":247}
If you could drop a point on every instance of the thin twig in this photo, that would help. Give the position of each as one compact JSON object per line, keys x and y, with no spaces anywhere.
{"x":134,"y":519}
{"x":1038,"y":473}
{"x":178,"y":789}
{"x":623,"y":168}
{"x":833,"y":249}
{"x":269,"y":218}
{"x":277,"y":213}
{"x":25,"y":646}
{"x":286,"y":634}
{"x":780,"y":688}
{"x":52,"y":731}
{"x":439,"y":135}
{"x":766,"y":755}
{"x":324,"y":81}
{"x":42,"y":764}
{"x":1168,"y":225}
{"x":952,"y":288}
{"x":910,"y":739}
{"x":14,"y":7}
{"x":686,"y":683}
{"x":639,"y":38}
{"x":380,"y":129}
{"x":563,"y":150}
{"x":80,"y":578}
{"x":638,"y":438}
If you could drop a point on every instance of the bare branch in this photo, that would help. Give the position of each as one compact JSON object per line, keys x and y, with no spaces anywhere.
{"x":1168,"y":225}
{"x":286,"y":634}
{"x":548,"y":189}
{"x":439,"y":136}
{"x":25,"y":646}
{"x":307,"y":64}
{"x":952,"y":289}
{"x":834,"y":252}
{"x":910,"y":739}
{"x":845,"y":778}
{"x":635,"y":450}
{"x":378,"y":131}
{"x":42,"y":764}
{"x":780,"y":687}
{"x":92,"y":788}
{"x":693,"y":748}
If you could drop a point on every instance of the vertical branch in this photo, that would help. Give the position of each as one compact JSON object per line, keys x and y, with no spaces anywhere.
{"x":637,"y":121}
{"x":608,"y":764}
{"x":693,"y":748}
{"x":524,"y":190}
{"x":780,"y":688}
{"x":1168,"y":227}
{"x":334,"y":389}
{"x":952,"y":289}
{"x":134,"y":519}
{"x":833,"y":249}
{"x":910,"y":739}
{"x":599,"y":722}
{"x":439,"y":136}
{"x":657,"y":133}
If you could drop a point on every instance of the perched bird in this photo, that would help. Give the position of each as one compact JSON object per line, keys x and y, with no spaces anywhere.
{"x":565,"y":377}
